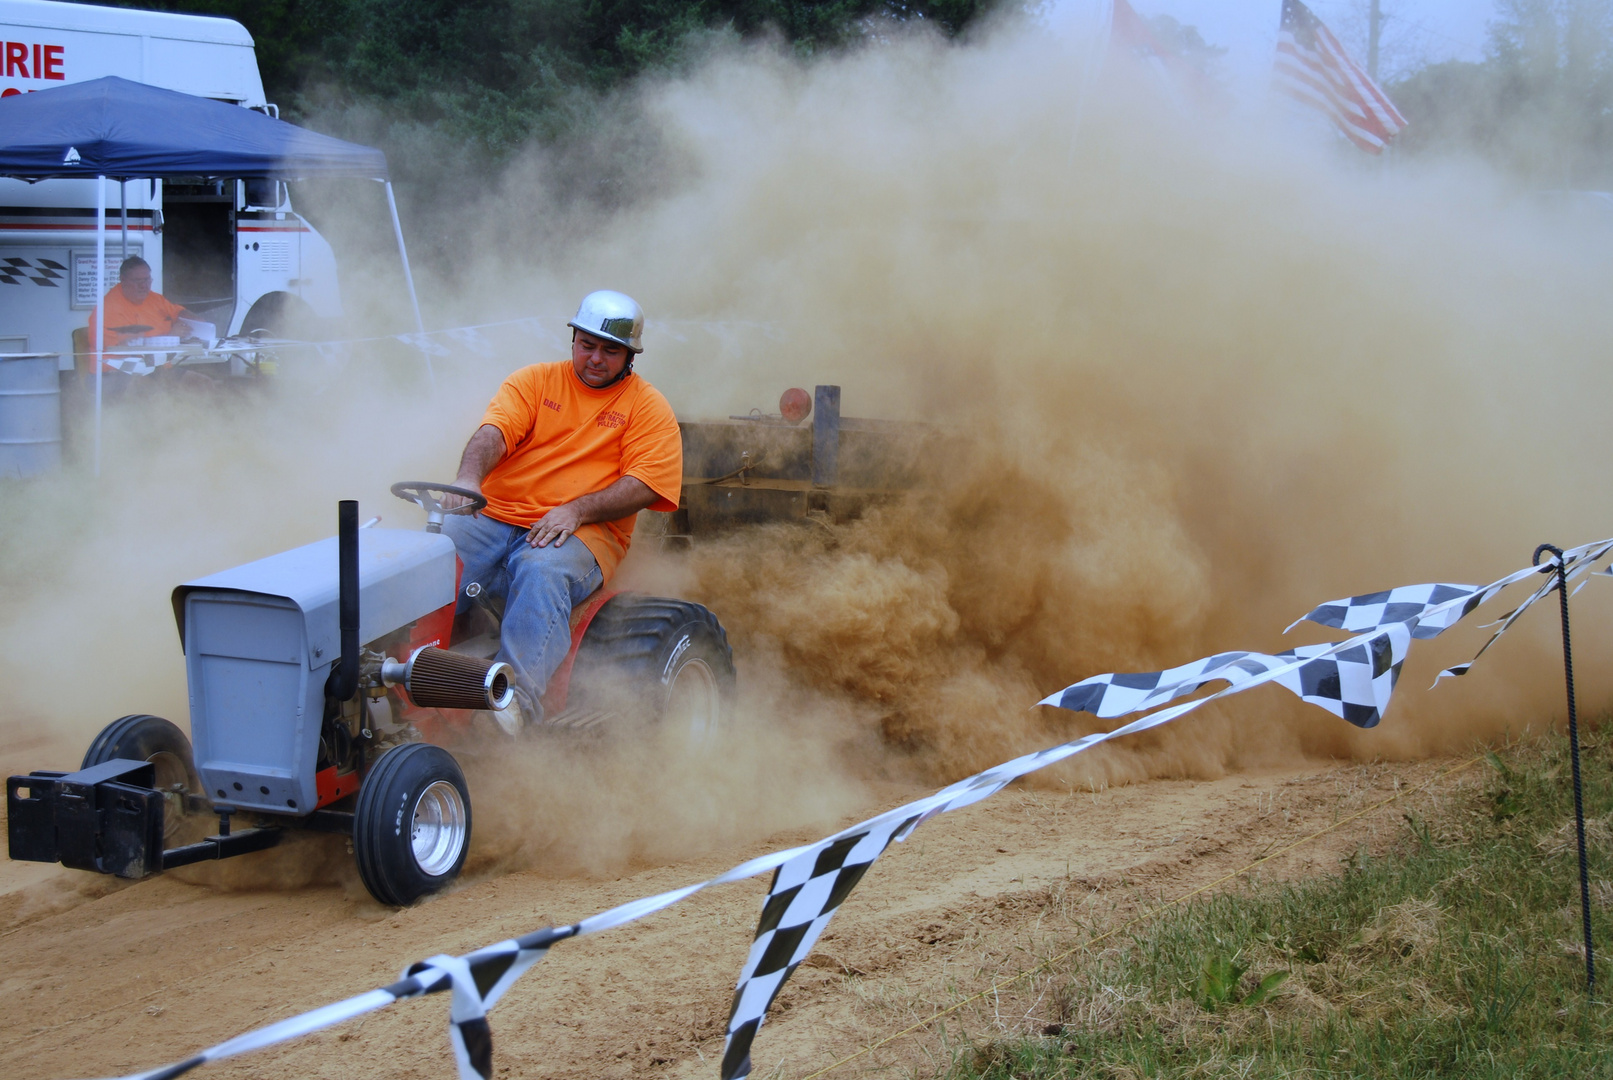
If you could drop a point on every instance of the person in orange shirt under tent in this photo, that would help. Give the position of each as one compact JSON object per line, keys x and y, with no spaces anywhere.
{"x":567,"y":455}
{"x":133,"y":310}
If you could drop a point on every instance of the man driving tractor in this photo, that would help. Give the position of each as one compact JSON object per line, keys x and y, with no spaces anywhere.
{"x":567,"y":455}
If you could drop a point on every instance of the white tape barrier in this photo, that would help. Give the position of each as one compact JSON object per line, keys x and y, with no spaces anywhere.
{"x":469,"y":338}
{"x":810,"y":882}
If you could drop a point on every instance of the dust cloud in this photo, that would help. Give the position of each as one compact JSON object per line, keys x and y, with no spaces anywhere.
{"x":1209,"y":375}
{"x":1213,"y":375}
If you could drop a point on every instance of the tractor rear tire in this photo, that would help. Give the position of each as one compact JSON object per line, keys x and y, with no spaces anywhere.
{"x":660,"y":659}
{"x":411,"y":827}
{"x":139,"y":737}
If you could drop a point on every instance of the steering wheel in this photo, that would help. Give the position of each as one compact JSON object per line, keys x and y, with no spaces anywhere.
{"x":425,"y":496}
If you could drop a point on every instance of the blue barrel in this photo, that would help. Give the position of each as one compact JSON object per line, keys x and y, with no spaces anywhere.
{"x":30,"y":414}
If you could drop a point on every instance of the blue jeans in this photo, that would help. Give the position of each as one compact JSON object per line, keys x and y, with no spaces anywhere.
{"x":538,"y":585}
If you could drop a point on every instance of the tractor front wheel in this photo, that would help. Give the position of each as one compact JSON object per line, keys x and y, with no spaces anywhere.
{"x":411,"y":827}
{"x":139,"y":737}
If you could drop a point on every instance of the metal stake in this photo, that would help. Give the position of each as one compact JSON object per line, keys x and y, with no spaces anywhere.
{"x":1573,"y":747}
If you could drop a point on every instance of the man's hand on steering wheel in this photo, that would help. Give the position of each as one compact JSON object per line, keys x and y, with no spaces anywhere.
{"x":555,"y":526}
{"x":440,"y":499}
{"x":452,"y":502}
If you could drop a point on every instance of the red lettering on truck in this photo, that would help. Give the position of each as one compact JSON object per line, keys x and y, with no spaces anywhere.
{"x":47,"y":61}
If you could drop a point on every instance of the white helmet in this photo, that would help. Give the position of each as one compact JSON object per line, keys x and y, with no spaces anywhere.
{"x":611,"y":315}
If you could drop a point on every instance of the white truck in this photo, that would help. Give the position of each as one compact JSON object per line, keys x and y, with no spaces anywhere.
{"x":233,"y":251}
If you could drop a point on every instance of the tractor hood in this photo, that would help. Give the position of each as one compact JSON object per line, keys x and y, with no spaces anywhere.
{"x":403,"y":574}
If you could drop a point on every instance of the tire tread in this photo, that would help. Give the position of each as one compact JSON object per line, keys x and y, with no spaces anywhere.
{"x":370,"y":820}
{"x":629,"y":640}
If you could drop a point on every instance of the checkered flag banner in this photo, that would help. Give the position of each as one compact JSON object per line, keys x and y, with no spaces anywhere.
{"x":471,"y":340}
{"x":803,"y":897}
{"x":131,"y":365}
{"x":477,"y":981}
{"x":1353,"y":680}
{"x":1346,"y":678}
{"x":424,"y":343}
{"x":1577,"y":562}
{"x":1429,"y":609}
{"x":1354,"y":684}
{"x":1432,"y":609}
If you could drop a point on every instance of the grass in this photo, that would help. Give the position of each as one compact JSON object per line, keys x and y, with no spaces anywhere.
{"x":1455,"y":953}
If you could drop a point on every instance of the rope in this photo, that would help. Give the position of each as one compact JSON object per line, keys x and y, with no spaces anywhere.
{"x":1144,"y":917}
{"x":1573,"y":746}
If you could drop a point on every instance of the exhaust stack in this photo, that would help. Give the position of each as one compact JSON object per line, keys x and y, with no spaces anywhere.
{"x":439,"y":679}
{"x":344,"y":677}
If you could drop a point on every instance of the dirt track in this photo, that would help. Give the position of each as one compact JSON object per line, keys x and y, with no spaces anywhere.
{"x":102,"y":979}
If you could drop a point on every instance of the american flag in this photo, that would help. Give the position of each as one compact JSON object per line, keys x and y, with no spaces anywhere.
{"x":1313,"y":68}
{"x":1180,"y":79}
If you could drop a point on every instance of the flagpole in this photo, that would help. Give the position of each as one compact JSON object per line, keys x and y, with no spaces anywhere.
{"x":1100,"y":44}
{"x":100,"y":306}
{"x":408,"y":279}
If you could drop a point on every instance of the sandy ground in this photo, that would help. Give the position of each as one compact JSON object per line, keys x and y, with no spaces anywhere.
{"x":102,"y":978}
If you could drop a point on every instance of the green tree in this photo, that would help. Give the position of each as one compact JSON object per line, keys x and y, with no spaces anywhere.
{"x":500,"y":72}
{"x":1539,"y":105}
{"x":454,"y":89}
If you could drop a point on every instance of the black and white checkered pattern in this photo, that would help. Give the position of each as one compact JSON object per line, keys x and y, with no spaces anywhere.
{"x":1429,"y":609}
{"x":1353,"y":681}
{"x":1432,"y":609}
{"x":477,"y":981}
{"x":46,"y":272}
{"x":132,"y":365}
{"x":1576,"y":561}
{"x":804,"y":895}
{"x":472,"y":341}
{"x":810,"y":886}
{"x":1117,"y":694}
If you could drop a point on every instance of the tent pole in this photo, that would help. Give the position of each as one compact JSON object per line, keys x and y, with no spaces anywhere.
{"x":123,"y":215}
{"x":408,"y":278}
{"x":100,"y":306}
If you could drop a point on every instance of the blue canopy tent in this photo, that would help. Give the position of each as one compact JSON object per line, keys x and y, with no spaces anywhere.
{"x":115,"y":129}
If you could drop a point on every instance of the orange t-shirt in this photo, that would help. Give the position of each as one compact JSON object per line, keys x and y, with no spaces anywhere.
{"x":565,"y":439}
{"x":155,"y":311}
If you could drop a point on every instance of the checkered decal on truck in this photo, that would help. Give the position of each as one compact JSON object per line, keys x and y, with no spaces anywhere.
{"x":15,"y":271}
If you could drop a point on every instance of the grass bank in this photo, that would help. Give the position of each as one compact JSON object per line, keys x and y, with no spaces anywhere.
{"x":1454,"y":953}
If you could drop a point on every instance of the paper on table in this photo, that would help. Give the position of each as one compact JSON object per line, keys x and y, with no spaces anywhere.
{"x":207,"y":331}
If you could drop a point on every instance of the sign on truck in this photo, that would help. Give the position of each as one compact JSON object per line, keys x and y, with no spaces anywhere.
{"x":233,"y":251}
